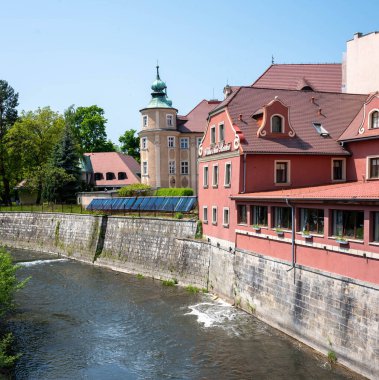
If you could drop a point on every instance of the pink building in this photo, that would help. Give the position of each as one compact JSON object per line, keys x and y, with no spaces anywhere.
{"x":293,"y":174}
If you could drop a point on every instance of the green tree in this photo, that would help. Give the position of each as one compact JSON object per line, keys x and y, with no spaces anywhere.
{"x":88,"y":126}
{"x":8,"y":286}
{"x":30,"y":144}
{"x":130,"y":144}
{"x":62,"y":180}
{"x":8,"y":116}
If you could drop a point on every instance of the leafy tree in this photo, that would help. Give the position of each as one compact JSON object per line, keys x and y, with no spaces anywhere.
{"x":8,"y":116}
{"x":62,"y":180}
{"x":130,"y":144}
{"x":30,"y":144}
{"x":8,"y":286}
{"x":88,"y":126}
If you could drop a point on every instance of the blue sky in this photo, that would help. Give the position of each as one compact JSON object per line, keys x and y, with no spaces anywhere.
{"x":57,"y":53}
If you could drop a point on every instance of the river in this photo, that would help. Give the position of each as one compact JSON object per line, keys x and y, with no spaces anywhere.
{"x":77,"y":321}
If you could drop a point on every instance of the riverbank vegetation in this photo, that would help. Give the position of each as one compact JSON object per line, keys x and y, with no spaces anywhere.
{"x":8,"y":286}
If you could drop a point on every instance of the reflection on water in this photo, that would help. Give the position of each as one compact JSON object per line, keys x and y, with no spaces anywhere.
{"x":76,"y":321}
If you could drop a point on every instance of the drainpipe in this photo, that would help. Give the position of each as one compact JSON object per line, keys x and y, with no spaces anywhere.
{"x":244,"y":174}
{"x":293,"y":233}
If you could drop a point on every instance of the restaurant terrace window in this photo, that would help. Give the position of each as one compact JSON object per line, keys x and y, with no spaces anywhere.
{"x":258,"y":215}
{"x":376,"y":226}
{"x":312,"y":220}
{"x":282,"y":217}
{"x":242,"y":214}
{"x":348,"y":224}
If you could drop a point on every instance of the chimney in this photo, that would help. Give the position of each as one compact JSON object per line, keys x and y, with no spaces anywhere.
{"x":357,"y":35}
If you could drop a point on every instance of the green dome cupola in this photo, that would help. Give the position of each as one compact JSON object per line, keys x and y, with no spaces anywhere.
{"x":159,"y":94}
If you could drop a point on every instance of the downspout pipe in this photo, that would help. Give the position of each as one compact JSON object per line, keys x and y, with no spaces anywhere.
{"x":244,"y":174}
{"x":293,"y":232}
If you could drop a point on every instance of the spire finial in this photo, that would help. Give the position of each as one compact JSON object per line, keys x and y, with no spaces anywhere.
{"x":272,"y":59}
{"x":158,"y":70}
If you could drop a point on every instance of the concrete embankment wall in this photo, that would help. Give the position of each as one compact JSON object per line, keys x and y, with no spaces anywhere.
{"x":325,"y":311}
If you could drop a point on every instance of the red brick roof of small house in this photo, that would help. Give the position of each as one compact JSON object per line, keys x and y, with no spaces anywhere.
{"x":325,"y":77}
{"x":334,"y":111}
{"x":114,"y":162}
{"x":348,"y":191}
{"x":196,"y":120}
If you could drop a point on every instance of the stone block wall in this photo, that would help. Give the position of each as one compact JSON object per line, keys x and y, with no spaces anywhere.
{"x":323,"y":310}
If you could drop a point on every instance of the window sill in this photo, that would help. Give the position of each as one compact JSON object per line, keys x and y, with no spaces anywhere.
{"x":311,"y":233}
{"x":205,"y":221}
{"x":184,"y":173}
{"x":338,"y":180}
{"x":184,"y":148}
{"x":282,"y":183}
{"x":347,"y":240}
{"x":374,"y":243}
{"x":227,"y":186}
{"x":225,"y":225}
{"x":372,"y":179}
{"x":242,"y":224}
{"x":215,"y":186}
{"x":205,"y":187}
{"x":214,"y":223}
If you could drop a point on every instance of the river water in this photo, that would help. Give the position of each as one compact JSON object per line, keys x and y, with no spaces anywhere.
{"x":76,"y":321}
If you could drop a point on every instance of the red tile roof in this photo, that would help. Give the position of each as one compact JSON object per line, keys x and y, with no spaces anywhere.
{"x":196,"y":120}
{"x":320,"y":77}
{"x":114,"y":162}
{"x":348,"y":191}
{"x":337,"y":112}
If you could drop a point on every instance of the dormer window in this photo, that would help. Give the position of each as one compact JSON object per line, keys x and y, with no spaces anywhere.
{"x":374,"y":120}
{"x":170,"y":120}
{"x":110,"y":176}
{"x":277,"y":124}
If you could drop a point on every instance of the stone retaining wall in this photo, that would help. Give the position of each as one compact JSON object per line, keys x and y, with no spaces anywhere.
{"x":325,"y":311}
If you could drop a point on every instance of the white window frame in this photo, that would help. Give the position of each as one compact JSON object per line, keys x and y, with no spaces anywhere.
{"x":145,"y":168}
{"x":184,"y":143}
{"x":183,"y":166}
{"x":212,"y":135}
{"x":169,"y":140}
{"x":145,"y":121}
{"x":225,"y":223}
{"x":169,"y":120}
{"x":214,"y":215}
{"x":205,"y":214}
{"x":282,"y":118}
{"x":215,"y":183}
{"x":369,"y":158}
{"x":343,"y":169}
{"x":221,"y":126}
{"x":172,"y":167}
{"x":205,"y":176}
{"x":230,"y":174}
{"x":288,"y":182}
{"x":143,"y":143}
{"x":370,"y":119}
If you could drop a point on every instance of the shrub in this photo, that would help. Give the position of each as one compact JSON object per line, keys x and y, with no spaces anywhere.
{"x":178,"y":215}
{"x":168,"y":282}
{"x":199,"y":230}
{"x":134,"y":189}
{"x":332,"y":357}
{"x":174,"y":192}
{"x":192,"y":289}
{"x":140,"y":276}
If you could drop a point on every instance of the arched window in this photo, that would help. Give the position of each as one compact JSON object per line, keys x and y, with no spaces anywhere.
{"x":98,"y":176}
{"x":277,"y":124}
{"x":110,"y":176}
{"x":374,"y":119}
{"x":122,"y":175}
